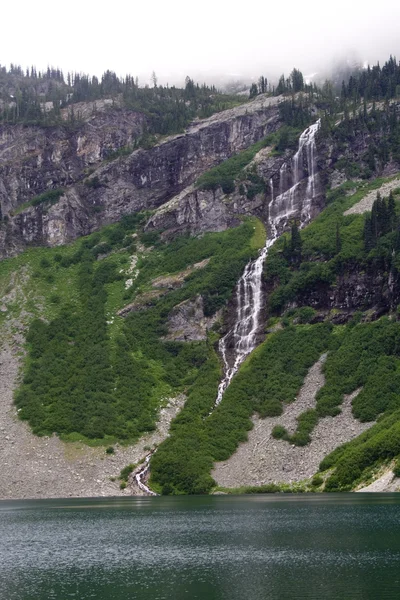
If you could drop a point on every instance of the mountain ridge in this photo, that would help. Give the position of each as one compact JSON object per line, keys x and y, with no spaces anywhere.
{"x":205,"y":197}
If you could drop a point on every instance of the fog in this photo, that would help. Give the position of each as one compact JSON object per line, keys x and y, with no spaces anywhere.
{"x":207,"y":39}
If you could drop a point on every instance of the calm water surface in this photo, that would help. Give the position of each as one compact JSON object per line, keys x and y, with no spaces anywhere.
{"x":215,"y":548}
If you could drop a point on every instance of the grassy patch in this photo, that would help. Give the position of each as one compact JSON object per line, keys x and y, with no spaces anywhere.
{"x":47,"y":198}
{"x":225,"y":174}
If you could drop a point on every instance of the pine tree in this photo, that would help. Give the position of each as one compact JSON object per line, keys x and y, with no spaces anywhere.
{"x":295,"y":244}
{"x":369,"y":241}
{"x":253,"y":91}
{"x":392,"y":211}
{"x":297,"y":80}
{"x":338,"y":239}
{"x":374,"y":223}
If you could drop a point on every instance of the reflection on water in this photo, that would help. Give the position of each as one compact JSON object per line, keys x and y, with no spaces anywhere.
{"x":216,"y":547}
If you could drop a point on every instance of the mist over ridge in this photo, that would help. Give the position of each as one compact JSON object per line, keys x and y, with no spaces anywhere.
{"x":219,"y":42}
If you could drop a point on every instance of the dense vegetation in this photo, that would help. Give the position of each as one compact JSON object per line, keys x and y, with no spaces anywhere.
{"x":90,"y":375}
{"x":169,"y":109}
{"x":82,"y":381}
{"x":296,"y":267}
{"x":374,"y":83}
{"x":271,"y":377}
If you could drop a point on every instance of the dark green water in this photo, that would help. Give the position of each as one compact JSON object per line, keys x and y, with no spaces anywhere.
{"x":273,"y":547}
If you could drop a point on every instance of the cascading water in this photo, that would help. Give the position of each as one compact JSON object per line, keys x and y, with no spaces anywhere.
{"x":141,"y":475}
{"x":241,"y":339}
{"x":285,"y":204}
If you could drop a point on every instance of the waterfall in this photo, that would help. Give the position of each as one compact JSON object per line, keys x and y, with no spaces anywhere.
{"x":242,"y":337}
{"x":285,"y":204}
{"x":141,"y":475}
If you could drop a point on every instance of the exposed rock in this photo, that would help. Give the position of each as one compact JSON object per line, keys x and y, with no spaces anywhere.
{"x":141,"y":302}
{"x":175,"y":281}
{"x":353,"y":291}
{"x":187,"y":322}
{"x":37,"y":159}
{"x":263,"y":459}
{"x":366,"y":203}
{"x":385,"y":483}
{"x":336,"y":179}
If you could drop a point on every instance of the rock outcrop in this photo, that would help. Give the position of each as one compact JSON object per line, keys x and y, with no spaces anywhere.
{"x":196,"y":211}
{"x":352,"y":291}
{"x":187,"y":322}
{"x":36,"y":159}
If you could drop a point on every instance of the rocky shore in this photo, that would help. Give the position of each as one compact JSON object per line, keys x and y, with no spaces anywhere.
{"x":263,"y":459}
{"x":46,"y":467}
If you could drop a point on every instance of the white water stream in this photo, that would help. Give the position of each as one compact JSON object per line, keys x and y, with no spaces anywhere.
{"x":241,"y":339}
{"x":141,"y":475}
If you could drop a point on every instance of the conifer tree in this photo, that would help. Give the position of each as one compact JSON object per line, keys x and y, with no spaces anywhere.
{"x":295,"y":244}
{"x":392,"y":211}
{"x":369,"y":241}
{"x":338,"y":239}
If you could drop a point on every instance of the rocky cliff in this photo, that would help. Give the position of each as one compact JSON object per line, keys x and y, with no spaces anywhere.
{"x":196,"y":211}
{"x":95,"y":191}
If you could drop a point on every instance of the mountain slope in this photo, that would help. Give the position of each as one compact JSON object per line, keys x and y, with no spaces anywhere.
{"x":130,"y":316}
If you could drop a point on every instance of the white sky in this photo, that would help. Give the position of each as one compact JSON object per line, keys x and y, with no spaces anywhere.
{"x":179,"y":37}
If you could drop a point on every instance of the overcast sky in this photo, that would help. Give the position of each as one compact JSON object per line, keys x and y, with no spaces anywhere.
{"x":179,"y":37}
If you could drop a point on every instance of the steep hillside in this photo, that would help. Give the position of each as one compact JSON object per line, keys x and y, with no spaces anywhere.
{"x":58,"y":183}
{"x":241,"y":277}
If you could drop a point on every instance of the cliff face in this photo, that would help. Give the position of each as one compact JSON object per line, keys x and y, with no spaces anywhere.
{"x":197,"y":211}
{"x":351,"y":292}
{"x":37,"y":159}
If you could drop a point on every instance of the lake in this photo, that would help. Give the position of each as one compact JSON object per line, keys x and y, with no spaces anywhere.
{"x":339,"y":546}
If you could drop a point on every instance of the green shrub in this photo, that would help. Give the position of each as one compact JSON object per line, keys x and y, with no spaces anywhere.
{"x":305,"y":425}
{"x":126,"y":471}
{"x":50,"y":197}
{"x":306,"y":314}
{"x":317,"y":481}
{"x":93,"y":183}
{"x":279,"y":432}
{"x":45,"y":263}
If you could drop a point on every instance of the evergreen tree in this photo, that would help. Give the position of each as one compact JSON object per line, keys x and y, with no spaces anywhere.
{"x":253,"y":91}
{"x":297,"y":81}
{"x":295,"y":244}
{"x":338,"y":239}
{"x":281,"y":88}
{"x":392,"y":211}
{"x":369,"y":241}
